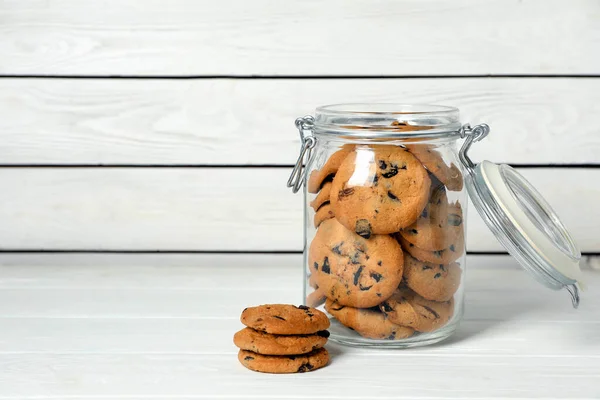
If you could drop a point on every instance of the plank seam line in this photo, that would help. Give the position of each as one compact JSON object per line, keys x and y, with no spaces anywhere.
{"x":292,"y":77}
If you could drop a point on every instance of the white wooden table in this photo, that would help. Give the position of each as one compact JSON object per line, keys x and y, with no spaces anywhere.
{"x":160,"y":327}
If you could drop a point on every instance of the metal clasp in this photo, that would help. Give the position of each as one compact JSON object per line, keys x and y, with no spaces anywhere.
{"x":298,"y":175}
{"x":473,"y":135}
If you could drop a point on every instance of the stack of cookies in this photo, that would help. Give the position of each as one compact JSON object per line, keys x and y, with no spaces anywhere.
{"x":282,"y":339}
{"x":383,"y":259}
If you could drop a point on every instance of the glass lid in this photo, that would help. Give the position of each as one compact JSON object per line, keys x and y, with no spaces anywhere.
{"x":522,"y":220}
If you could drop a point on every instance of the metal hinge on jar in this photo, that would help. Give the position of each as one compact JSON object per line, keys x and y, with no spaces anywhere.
{"x":472,"y":135}
{"x":298,"y":176}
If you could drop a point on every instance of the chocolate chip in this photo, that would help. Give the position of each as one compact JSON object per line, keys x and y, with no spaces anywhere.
{"x":438,"y":275}
{"x":392,"y":196}
{"x":354,"y":259}
{"x":316,"y":266}
{"x":357,"y":274}
{"x":375,"y":180}
{"x":426,"y":267}
{"x":378,"y":294}
{"x":414,"y":231}
{"x":438,"y":253}
{"x":442,"y":267}
{"x":328,"y":178}
{"x":379,"y":263}
{"x":403,"y":166}
{"x":367,"y":257}
{"x":324,"y":334}
{"x":424,"y":213}
{"x":336,"y":249}
{"x":436,"y":315}
{"x":386,"y":307}
{"x":278,"y":317}
{"x":259,"y":320}
{"x":452,"y":248}
{"x":392,"y":336}
{"x":248,"y":358}
{"x":345,"y":193}
{"x":364,"y":288}
{"x":375,"y":276}
{"x":325,"y":268}
{"x":392,"y":172}
{"x":376,"y":211}
{"x":382,"y":164}
{"x":363,"y":228}
{"x":304,"y":307}
{"x":454,"y":219}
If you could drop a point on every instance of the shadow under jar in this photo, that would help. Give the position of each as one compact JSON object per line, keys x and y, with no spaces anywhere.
{"x":385,"y":220}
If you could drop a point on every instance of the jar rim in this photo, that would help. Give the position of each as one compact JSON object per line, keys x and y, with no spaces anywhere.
{"x":386,"y":120}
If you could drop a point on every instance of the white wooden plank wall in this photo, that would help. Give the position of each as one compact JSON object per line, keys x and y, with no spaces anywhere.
{"x":130,"y":125}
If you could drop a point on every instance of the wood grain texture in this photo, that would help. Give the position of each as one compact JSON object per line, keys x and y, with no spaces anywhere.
{"x":67,"y":333}
{"x":135,"y":37}
{"x":251,"y":121}
{"x":212,"y":209}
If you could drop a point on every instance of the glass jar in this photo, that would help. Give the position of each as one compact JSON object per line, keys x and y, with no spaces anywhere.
{"x":385,"y":220}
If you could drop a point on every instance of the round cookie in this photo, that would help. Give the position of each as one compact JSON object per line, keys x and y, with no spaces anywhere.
{"x":316,"y":298}
{"x":266,"y":343}
{"x":285,"y":319}
{"x":322,"y":197}
{"x":284,"y":364}
{"x":322,"y":214}
{"x":454,"y":251}
{"x":352,"y":270}
{"x":436,"y":282}
{"x":319,"y":177}
{"x":369,"y":323}
{"x":379,"y":190}
{"x":434,"y":162}
{"x":430,"y":231}
{"x":407,"y":308}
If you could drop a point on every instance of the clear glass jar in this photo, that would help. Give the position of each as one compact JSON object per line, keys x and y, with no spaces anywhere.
{"x":385,"y":218}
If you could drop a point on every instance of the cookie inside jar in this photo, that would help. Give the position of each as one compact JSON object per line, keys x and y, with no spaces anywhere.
{"x":386,"y":237}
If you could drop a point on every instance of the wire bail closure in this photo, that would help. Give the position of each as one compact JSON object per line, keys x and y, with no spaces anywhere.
{"x":473,"y":135}
{"x":305,"y":128}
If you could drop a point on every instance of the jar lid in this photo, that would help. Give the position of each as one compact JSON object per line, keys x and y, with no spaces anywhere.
{"x":522,"y":220}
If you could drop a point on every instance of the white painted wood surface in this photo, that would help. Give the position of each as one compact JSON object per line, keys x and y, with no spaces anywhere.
{"x":242,"y":121}
{"x":213,"y":209}
{"x":116,"y":331}
{"x":360,"y":37}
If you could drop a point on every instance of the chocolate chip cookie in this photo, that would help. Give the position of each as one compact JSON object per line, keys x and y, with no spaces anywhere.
{"x":407,"y":308}
{"x":352,"y":270}
{"x":322,"y":197}
{"x":266,"y":343}
{"x":449,"y":175}
{"x":285,"y":319}
{"x":288,"y":364}
{"x":322,"y":214}
{"x":436,"y":282}
{"x":319,"y":177}
{"x":431,"y":231}
{"x":379,"y":190}
{"x":369,"y":323}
